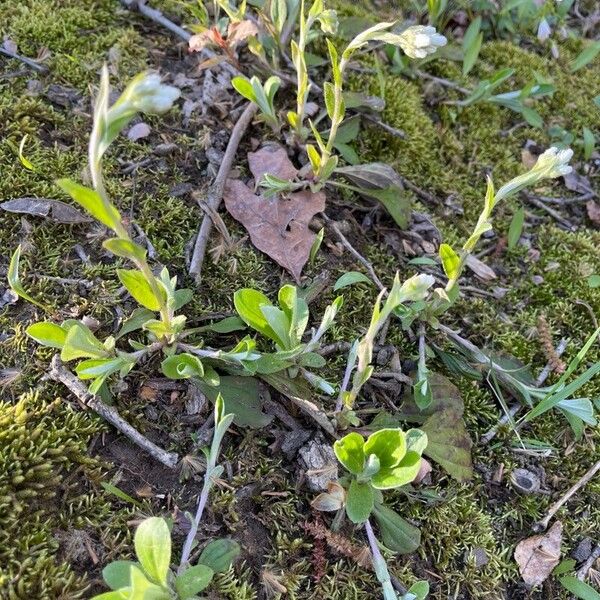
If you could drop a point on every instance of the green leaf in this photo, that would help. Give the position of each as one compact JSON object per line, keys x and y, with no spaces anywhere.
{"x":594,"y":281}
{"x":241,"y":397}
{"x":125,"y":249}
{"x":472,"y":41}
{"x":329,"y":95}
{"x":314,"y":249}
{"x":295,"y":308}
{"x":359,"y":501}
{"x":350,"y":452}
{"x":393,"y":477}
{"x":449,"y":443}
{"x":139,"y":288}
{"x":397,"y":534}
{"x":47,"y":334}
{"x":389,"y":445}
{"x":152,"y":543}
{"x":82,"y":343}
{"x":516,"y":227}
{"x":248,"y":303}
{"x":579,"y":588}
{"x":91,"y":201}
{"x":226,"y":325}
{"x":136,"y":320}
{"x":220,"y":554}
{"x":15,"y":283}
{"x":397,"y":201}
{"x":23,"y":160}
{"x":450,"y":261}
{"x":420,"y":589}
{"x":586,"y":56}
{"x":182,"y":366}
{"x":589,"y":143}
{"x":114,"y":595}
{"x":193,"y":580}
{"x":244,"y":88}
{"x":142,"y":589}
{"x":351,"y":278}
{"x":100,"y":367}
{"x":117,"y":574}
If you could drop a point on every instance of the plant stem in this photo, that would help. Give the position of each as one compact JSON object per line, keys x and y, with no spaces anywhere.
{"x":380,"y":565}
{"x":191,"y":536}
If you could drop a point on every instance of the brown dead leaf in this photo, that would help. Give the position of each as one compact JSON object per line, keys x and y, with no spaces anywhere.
{"x":593,"y":211}
{"x":55,"y":210}
{"x":538,"y":555}
{"x":277,"y":226}
{"x":199,"y":41}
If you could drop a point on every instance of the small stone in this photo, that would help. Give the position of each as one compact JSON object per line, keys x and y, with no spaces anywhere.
{"x":320,"y":463}
{"x":537,"y":280}
{"x":583,"y":550}
{"x":478,"y":556}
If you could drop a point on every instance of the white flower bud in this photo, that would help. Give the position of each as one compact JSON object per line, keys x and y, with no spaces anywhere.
{"x":544,"y":30}
{"x":420,"y":40}
{"x":416,"y":287}
{"x":551,"y":164}
{"x":148,"y":95}
{"x":554,"y":163}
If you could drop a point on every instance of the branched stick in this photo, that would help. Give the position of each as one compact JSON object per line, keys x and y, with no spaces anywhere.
{"x":541,"y":525}
{"x":156,"y":16}
{"x":59,"y":373}
{"x":27,"y":61}
{"x":215,"y":194}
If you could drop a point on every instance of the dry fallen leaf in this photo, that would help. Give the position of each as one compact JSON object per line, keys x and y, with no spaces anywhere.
{"x":593,"y":211}
{"x":480,"y":268}
{"x":55,"y":210}
{"x":538,"y":555}
{"x":240,"y":31}
{"x":277,"y":226}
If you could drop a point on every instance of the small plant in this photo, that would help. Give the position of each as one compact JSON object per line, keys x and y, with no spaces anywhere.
{"x":262,"y":95}
{"x":157,"y":295}
{"x":151,"y":576}
{"x":388,"y":459}
{"x":413,"y":290}
{"x":285,"y":327}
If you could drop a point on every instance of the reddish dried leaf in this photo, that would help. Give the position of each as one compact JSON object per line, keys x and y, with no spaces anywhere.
{"x":238,"y":32}
{"x":538,"y":555}
{"x":277,"y":226}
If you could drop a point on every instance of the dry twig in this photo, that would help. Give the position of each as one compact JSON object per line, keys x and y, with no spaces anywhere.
{"x":59,"y":373}
{"x":541,"y":525}
{"x":215,"y":193}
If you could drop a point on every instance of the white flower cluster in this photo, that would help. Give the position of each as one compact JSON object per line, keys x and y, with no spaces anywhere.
{"x":147,"y":94}
{"x":551,"y":164}
{"x":420,"y":40}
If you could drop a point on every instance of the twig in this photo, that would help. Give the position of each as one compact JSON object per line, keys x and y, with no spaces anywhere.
{"x":59,"y":373}
{"x":215,"y":193}
{"x":27,"y":61}
{"x":379,"y":565}
{"x":553,"y":213}
{"x":383,"y":125}
{"x":515,"y":408}
{"x":587,"y":565}
{"x":424,"y":195}
{"x":354,"y":252}
{"x":156,"y":16}
{"x":541,"y":525}
{"x":445,"y":82}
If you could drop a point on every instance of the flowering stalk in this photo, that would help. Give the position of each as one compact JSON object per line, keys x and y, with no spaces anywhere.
{"x":417,"y":42}
{"x":144,"y":94}
{"x":551,"y":164}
